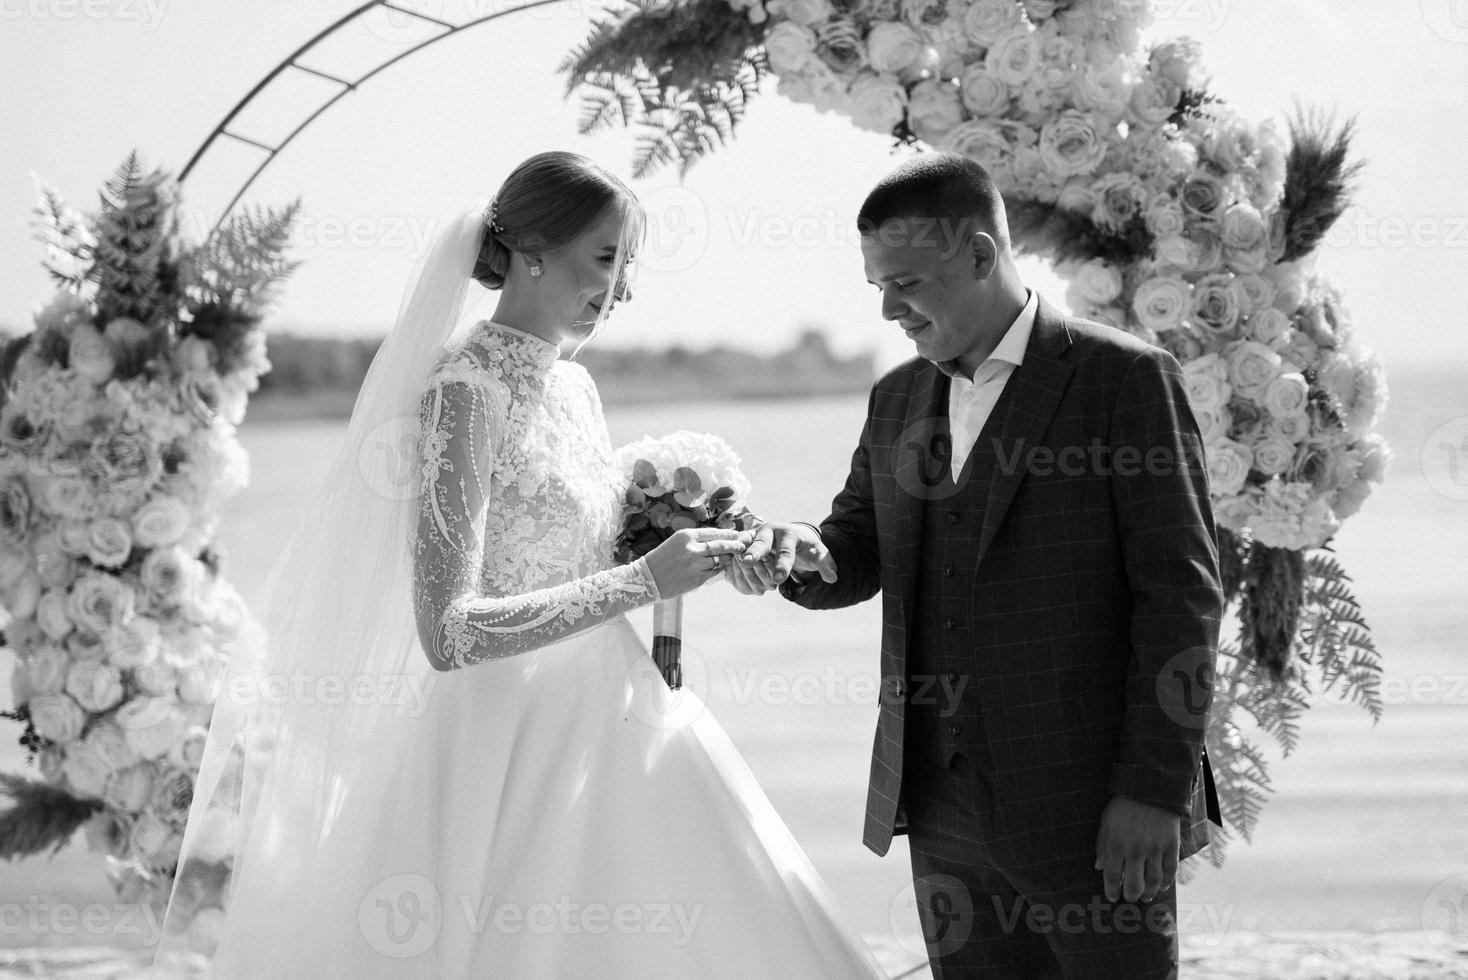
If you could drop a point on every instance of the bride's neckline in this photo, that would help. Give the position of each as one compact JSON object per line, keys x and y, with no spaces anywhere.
{"x":532,"y":347}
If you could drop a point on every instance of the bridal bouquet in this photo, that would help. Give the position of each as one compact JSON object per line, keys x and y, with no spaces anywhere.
{"x":683,"y":480}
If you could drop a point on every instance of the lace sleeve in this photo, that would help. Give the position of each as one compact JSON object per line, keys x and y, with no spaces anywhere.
{"x":459,"y":416}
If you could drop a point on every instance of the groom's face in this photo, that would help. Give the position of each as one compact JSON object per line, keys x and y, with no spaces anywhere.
{"x":928,"y":284}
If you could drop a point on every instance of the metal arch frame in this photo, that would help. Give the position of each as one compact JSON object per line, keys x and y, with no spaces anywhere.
{"x":347,"y":86}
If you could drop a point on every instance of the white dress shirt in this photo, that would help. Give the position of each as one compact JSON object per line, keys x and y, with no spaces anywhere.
{"x":970,"y":402}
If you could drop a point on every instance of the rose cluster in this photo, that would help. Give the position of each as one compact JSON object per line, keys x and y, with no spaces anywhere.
{"x":109,"y":487}
{"x":1062,"y":107}
{"x":683,"y":480}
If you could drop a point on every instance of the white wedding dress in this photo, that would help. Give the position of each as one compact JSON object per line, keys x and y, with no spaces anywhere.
{"x":559,"y":814}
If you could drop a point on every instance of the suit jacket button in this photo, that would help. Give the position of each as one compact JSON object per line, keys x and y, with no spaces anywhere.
{"x":948,"y":571}
{"x":952,"y":678}
{"x":953,"y":517}
{"x":955,"y":729}
{"x":948,"y":624}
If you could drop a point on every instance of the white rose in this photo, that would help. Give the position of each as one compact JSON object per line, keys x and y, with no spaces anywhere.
{"x":51,"y":614}
{"x":57,"y":717}
{"x":1268,"y":326}
{"x":983,"y":93}
{"x":878,"y":103}
{"x":1217,"y":304}
{"x":135,"y":643}
{"x":1154,"y":100}
{"x":151,"y":725}
{"x":1251,"y":368}
{"x":74,"y":533}
{"x":170,"y":576}
{"x":129,"y":789}
{"x":95,"y":687}
{"x":934,"y":107}
{"x":149,"y":835}
{"x":86,"y":647}
{"x":1260,"y":291}
{"x":789,"y":47}
{"x":1069,"y":145}
{"x":987,"y":21}
{"x":156,"y":677}
{"x":188,"y":753}
{"x":1204,"y":197}
{"x":161,"y":521}
{"x":1300,"y":349}
{"x":1325,"y":467}
{"x":1242,"y":227}
{"x":46,"y":666}
{"x":109,"y":542}
{"x":1176,"y":60}
{"x":1273,"y":455}
{"x":892,"y":46}
{"x":69,"y":496}
{"x":1103,"y":90}
{"x":806,"y":12}
{"x":24,"y":595}
{"x":1287,"y":395}
{"x":1098,"y":282}
{"x":196,"y":682}
{"x":99,"y":601}
{"x":1014,"y":59}
{"x":1205,"y":380}
{"x":1228,"y":466}
{"x":1161,"y":303}
{"x":1119,"y":199}
{"x":983,"y":141}
{"x":1213,"y":422}
{"x":1295,"y":428}
{"x":108,"y":741}
{"x":85,"y":770}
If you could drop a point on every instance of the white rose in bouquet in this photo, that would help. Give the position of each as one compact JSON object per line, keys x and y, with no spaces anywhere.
{"x":110,"y":744}
{"x":1374,"y":456}
{"x":790,"y":47}
{"x":69,"y":497}
{"x":109,"y":542}
{"x":1291,"y":517}
{"x":1270,"y":327}
{"x":1120,"y":197}
{"x":170,"y":577}
{"x":1228,"y":466}
{"x":983,"y":92}
{"x":1069,"y":145}
{"x":1162,"y":302}
{"x":1106,"y":91}
{"x":1154,"y":100}
{"x":1097,"y":282}
{"x":878,"y":102}
{"x":985,"y":22}
{"x":1178,"y":61}
{"x":1251,"y":368}
{"x":99,"y":601}
{"x":161,"y":521}
{"x":130,"y":789}
{"x":158,"y":676}
{"x":86,"y":647}
{"x":934,"y":108}
{"x":1213,"y":421}
{"x":135,"y":643}
{"x":984,"y":141}
{"x":46,"y":668}
{"x":1218,"y":305}
{"x":57,"y":717}
{"x":1205,"y":381}
{"x":1272,"y":454}
{"x":1287,"y":395}
{"x":1077,"y":196}
{"x":892,"y":46}
{"x":1015,"y":59}
{"x":151,"y":725}
{"x":149,"y":835}
{"x":188,"y":753}
{"x":96,"y":687}
{"x":85,"y":771}
{"x":806,"y":12}
{"x":89,"y":354}
{"x":51,"y":614}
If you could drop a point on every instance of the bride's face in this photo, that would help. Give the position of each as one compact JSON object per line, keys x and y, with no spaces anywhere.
{"x":578,"y":278}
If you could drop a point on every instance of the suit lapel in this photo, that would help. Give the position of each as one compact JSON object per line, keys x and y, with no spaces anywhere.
{"x":1022,"y":415}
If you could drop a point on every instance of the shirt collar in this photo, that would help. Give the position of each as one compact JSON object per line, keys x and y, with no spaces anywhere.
{"x":1011,"y":347}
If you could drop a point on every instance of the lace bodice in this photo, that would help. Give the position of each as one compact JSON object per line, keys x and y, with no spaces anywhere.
{"x":519,"y":503}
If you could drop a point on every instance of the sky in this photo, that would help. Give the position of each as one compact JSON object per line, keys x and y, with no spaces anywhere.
{"x":756,"y":243}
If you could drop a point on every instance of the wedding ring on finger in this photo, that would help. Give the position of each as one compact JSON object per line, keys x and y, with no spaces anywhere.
{"x":718,"y":563}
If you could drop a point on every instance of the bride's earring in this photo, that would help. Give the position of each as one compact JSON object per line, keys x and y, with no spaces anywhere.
{"x":535,"y":270}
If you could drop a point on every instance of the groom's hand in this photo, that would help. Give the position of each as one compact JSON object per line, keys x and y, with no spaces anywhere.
{"x":776,"y":550}
{"x":1136,"y":849}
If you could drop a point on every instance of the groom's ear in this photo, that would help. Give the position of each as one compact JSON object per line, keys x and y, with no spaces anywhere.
{"x":985,"y":254}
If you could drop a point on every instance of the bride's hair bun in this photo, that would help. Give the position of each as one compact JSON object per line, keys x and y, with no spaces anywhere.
{"x":545,"y":204}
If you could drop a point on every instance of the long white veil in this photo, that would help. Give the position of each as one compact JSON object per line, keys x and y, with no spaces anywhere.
{"x":316,"y":704}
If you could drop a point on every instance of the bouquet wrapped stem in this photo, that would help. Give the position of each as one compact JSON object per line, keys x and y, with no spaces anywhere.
{"x":704,"y":487}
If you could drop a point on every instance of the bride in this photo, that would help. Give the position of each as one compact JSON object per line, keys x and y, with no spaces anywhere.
{"x":473,"y":772}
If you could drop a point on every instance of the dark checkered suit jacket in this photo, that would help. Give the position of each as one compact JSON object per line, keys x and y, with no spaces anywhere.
{"x":1097,"y":600}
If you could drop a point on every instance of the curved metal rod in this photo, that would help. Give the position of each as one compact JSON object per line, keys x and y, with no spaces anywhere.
{"x":347,"y":88}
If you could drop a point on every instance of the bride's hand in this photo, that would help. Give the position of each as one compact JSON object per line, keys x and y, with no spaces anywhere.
{"x":691,"y":557}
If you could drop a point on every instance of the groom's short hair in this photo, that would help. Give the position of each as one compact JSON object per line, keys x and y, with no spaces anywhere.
{"x":950,"y":190}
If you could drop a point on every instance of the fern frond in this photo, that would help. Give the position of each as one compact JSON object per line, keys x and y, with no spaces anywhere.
{"x":63,"y":231}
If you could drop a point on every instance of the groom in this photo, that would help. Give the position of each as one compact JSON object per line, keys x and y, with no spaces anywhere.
{"x":1028,"y":496}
